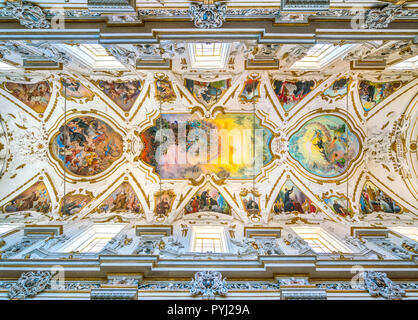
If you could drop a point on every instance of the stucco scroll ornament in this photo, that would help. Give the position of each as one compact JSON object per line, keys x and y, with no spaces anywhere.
{"x":30,"y":284}
{"x":29,"y":15}
{"x":208,"y":284}
{"x":380,"y":18}
{"x":378,"y":284}
{"x":208,"y":16}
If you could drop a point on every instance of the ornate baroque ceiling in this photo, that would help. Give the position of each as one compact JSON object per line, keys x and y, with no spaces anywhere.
{"x":329,"y":134}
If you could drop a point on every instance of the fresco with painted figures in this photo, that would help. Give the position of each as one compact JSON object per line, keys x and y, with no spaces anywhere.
{"x":164,"y":90}
{"x":292,"y":199}
{"x":338,"y":88}
{"x":208,"y":199}
{"x":324,"y":146}
{"x":75,"y":89}
{"x":123,"y":199}
{"x":35,"y":198}
{"x":227,"y":158}
{"x":373,"y":199}
{"x":251,"y":203}
{"x":163,"y":202}
{"x":250,"y":91}
{"x":34,"y":95}
{"x":73,"y":203}
{"x":87,"y":146}
{"x":372,"y":93}
{"x":290,"y":93}
{"x":207,"y":93}
{"x":123,"y":93}
{"x":339,"y":206}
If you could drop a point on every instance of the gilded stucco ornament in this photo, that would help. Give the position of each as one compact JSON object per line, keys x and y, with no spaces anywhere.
{"x":30,"y":16}
{"x":208,"y":15}
{"x":208,"y":284}
{"x":381,"y":18}
{"x":30,"y":284}
{"x":378,"y":284}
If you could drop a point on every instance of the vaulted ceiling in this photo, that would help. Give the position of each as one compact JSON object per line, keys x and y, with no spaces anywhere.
{"x":80,"y":109}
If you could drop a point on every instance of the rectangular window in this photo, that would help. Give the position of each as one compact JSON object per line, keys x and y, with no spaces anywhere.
{"x":321,"y":55}
{"x":6,"y":228}
{"x":208,"y":240}
{"x":319,"y":240}
{"x":6,"y":67}
{"x":94,"y":239}
{"x":208,"y":55}
{"x":93,"y":55}
{"x":409,"y":64}
{"x":409,"y":232}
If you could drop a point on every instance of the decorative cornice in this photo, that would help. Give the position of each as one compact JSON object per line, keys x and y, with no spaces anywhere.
{"x":29,"y":15}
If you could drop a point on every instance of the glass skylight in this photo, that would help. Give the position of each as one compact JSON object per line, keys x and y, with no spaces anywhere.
{"x":409,"y":232}
{"x":321,"y":55}
{"x":208,"y":240}
{"x":208,"y":55}
{"x":94,"y":55}
{"x":320,"y":240}
{"x":7,"y":67}
{"x":94,"y":239}
{"x":409,"y":64}
{"x":102,"y":60}
{"x":5,"y":228}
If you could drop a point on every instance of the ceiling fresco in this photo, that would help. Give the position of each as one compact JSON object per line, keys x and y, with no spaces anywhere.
{"x":324,"y":146}
{"x":87,"y":146}
{"x":124,"y":94}
{"x":205,"y":151}
{"x":207,"y":93}
{"x":257,"y":146}
{"x":35,"y":96}
{"x":372,"y":93}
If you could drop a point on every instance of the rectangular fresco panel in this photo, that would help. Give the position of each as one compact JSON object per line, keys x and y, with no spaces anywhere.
{"x":235,"y":162}
{"x":251,"y":90}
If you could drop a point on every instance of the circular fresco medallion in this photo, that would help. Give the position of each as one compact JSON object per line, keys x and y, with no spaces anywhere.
{"x":87,"y":146}
{"x":325,"y":146}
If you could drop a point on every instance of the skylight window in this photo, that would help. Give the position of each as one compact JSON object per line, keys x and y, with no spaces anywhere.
{"x":7,"y":67}
{"x":93,"y":239}
{"x":208,"y":55}
{"x":208,"y":239}
{"x":93,"y":55}
{"x":321,"y":55}
{"x":5,"y":228}
{"x":102,"y":60}
{"x":320,"y":240}
{"x":409,"y":64}
{"x":409,"y":232}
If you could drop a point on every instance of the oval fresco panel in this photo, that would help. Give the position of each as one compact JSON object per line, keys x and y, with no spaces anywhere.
{"x":324,"y":146}
{"x":87,"y":146}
